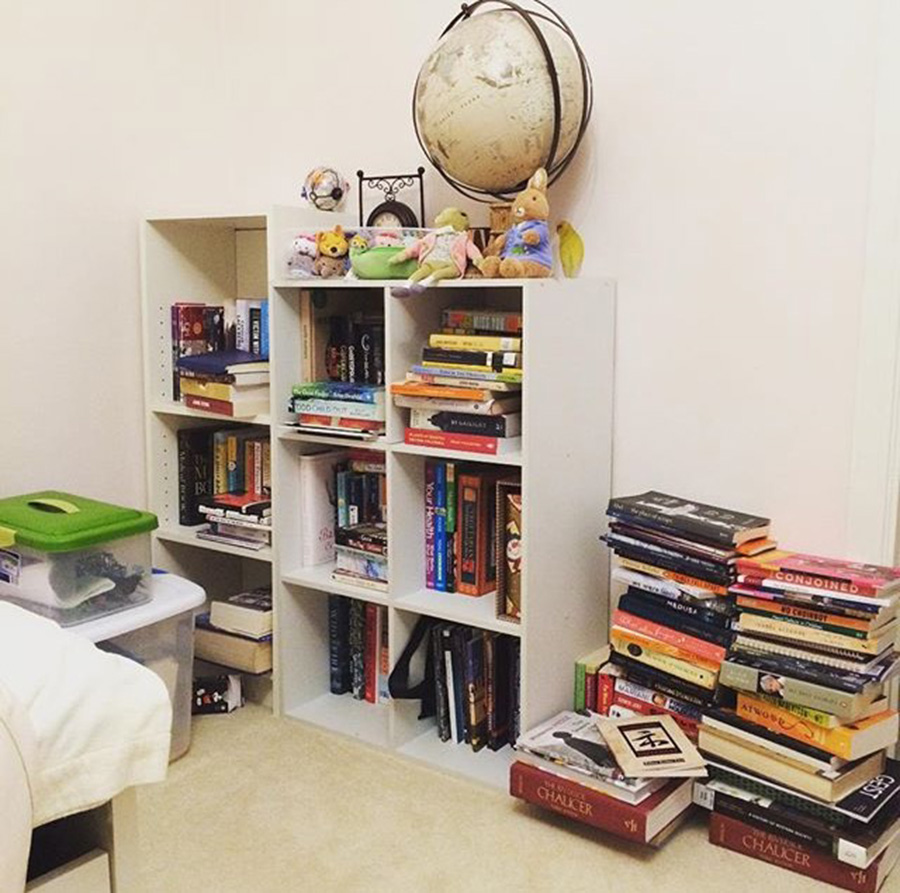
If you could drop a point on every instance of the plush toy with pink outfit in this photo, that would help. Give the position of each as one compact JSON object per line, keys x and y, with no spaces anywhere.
{"x":442,"y":254}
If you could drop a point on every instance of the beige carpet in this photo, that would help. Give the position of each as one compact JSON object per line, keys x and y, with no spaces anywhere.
{"x":260,"y":804}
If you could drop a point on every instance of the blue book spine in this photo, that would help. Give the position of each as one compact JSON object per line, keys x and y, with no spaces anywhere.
{"x":440,"y":526}
{"x":264,"y":330}
{"x":343,"y":515}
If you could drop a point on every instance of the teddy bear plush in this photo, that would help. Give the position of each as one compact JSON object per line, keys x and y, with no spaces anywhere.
{"x":302,"y":257}
{"x":523,"y":251}
{"x":332,"y":248}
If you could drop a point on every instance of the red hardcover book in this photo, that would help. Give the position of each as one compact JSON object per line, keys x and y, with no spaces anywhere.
{"x":669,"y":636}
{"x":220,"y":407}
{"x":639,"y":822}
{"x":606,"y":689}
{"x":467,"y":443}
{"x":829,"y":575}
{"x":727,"y":832}
{"x":372,"y":654}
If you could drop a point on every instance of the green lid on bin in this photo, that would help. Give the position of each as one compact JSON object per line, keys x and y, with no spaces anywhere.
{"x":52,"y":521}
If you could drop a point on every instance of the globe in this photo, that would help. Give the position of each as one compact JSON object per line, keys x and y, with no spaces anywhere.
{"x":324,"y":188}
{"x":484,"y":105}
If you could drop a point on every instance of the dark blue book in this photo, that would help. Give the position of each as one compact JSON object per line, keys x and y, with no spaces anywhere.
{"x":440,"y":526}
{"x":674,"y":620}
{"x":220,"y":362}
{"x":698,"y":615}
{"x":339,"y":643}
{"x":358,"y":649}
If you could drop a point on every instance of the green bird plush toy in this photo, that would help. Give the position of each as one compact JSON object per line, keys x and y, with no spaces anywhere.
{"x":571,"y":249}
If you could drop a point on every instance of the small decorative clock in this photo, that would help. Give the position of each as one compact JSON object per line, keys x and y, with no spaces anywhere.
{"x":391,"y":212}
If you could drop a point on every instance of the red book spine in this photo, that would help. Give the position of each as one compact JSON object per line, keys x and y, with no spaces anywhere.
{"x":727,"y":832}
{"x":220,"y":407}
{"x":700,"y":647}
{"x":372,"y":659}
{"x":606,"y":689}
{"x":442,"y":440}
{"x":688,"y":726}
{"x":577,"y":802}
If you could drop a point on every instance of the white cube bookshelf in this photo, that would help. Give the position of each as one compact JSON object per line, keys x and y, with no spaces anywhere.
{"x":564,"y":459}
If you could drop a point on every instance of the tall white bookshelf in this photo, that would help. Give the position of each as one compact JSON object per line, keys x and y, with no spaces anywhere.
{"x":564,"y":460}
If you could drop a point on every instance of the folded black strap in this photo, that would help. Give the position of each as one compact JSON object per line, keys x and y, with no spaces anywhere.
{"x":398,"y":682}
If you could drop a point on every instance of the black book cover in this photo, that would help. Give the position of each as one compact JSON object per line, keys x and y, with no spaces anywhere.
{"x":256,"y":330}
{"x":692,"y":519}
{"x":214,"y":327}
{"x":339,"y":643}
{"x":697,"y":615}
{"x":468,"y":423}
{"x":372,"y":513}
{"x":498,"y":732}
{"x":719,"y":554}
{"x":358,"y":649}
{"x":475,"y":688}
{"x":195,"y":473}
{"x":376,"y":373}
{"x":498,"y":360}
{"x":441,"y":699}
{"x":716,"y":571}
{"x":515,"y":704}
{"x":679,"y":567}
{"x":674,"y":620}
{"x":457,"y":660}
{"x":356,"y":502}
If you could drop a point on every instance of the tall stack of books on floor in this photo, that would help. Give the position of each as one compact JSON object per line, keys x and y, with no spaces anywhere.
{"x":632,"y":778}
{"x":466,"y":392}
{"x":671,"y":629}
{"x":476,"y":678}
{"x":224,"y":482}
{"x":360,"y":521}
{"x":349,"y":399}
{"x":211,"y":375}
{"x":358,"y":649}
{"x":799,"y":771}
{"x":236,"y":633}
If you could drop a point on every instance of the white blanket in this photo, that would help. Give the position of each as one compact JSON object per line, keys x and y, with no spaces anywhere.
{"x":97,"y":723}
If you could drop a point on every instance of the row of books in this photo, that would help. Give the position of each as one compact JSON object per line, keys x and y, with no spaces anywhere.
{"x":224,"y":480}
{"x":465,"y":394}
{"x":776,"y":664}
{"x":236,"y":632}
{"x":476,"y":675}
{"x":358,"y":649}
{"x":335,"y":407}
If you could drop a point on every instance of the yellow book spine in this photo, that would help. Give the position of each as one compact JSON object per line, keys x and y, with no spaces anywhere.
{"x":220,"y":465}
{"x":810,"y":714}
{"x":475,"y":342}
{"x":672,"y":665}
{"x":212,"y":390}
{"x":509,"y":374}
{"x":796,"y":633}
{"x":671,"y":575}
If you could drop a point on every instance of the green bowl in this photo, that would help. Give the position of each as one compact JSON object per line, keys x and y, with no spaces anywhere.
{"x":373,"y":263}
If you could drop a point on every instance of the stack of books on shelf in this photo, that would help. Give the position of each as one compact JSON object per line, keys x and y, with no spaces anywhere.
{"x":331,"y":407}
{"x":471,"y":527}
{"x":196,"y":329}
{"x":476,"y":674}
{"x":630,"y":778}
{"x":671,"y":629}
{"x":237,"y":632}
{"x":224,"y":480}
{"x":466,"y":392}
{"x":360,"y":520}
{"x":799,"y":771}
{"x":358,"y":649}
{"x":225,"y":382}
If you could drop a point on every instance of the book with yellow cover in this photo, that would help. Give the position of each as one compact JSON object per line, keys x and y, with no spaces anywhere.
{"x":797,"y":632}
{"x":682,"y":669}
{"x":821,"y":717}
{"x":849,"y":742}
{"x":645,"y":641}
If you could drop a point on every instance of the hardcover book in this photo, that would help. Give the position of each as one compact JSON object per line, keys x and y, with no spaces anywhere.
{"x":691,"y":519}
{"x":339,"y":643}
{"x":247,"y":613}
{"x":195,"y":473}
{"x":640,"y":823}
{"x":230,"y":650}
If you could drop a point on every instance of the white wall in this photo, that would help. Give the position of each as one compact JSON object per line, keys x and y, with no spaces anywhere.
{"x":723,"y":183}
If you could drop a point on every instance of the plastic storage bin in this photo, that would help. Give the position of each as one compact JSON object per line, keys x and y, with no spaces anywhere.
{"x":73,"y":559}
{"x":159,"y":635}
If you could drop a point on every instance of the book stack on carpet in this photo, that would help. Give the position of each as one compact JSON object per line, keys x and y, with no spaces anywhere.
{"x":360,"y":520}
{"x":466,"y":392}
{"x":798,"y":767}
{"x":232,"y":383}
{"x":339,"y":407}
{"x":237,"y":632}
{"x":671,"y":630}
{"x":632,"y":778}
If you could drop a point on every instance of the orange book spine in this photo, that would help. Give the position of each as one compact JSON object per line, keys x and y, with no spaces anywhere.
{"x":690,"y":644}
{"x":773,"y":607}
{"x":443,"y":392}
{"x":651,"y":644}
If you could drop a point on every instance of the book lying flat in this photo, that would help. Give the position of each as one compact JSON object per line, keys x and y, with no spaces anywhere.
{"x":651,"y":747}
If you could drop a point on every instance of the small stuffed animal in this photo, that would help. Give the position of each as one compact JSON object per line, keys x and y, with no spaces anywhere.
{"x":331,"y":253}
{"x":571,"y":249}
{"x":524,"y":249}
{"x":302,"y":257}
{"x":442,"y":254}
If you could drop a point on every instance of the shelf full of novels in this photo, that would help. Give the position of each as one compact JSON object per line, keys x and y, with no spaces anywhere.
{"x":204,"y":285}
{"x":559,"y":460}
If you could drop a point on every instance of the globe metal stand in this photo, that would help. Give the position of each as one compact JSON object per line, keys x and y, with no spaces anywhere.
{"x":553,"y":165}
